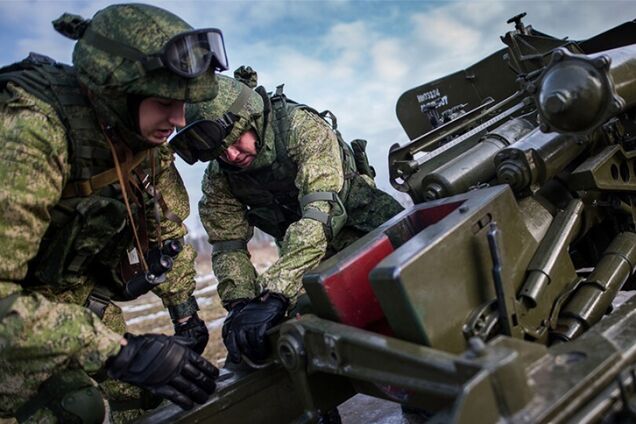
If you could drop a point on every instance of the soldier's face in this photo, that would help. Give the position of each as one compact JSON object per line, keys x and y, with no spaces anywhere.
{"x":243,"y":151}
{"x":158,"y":118}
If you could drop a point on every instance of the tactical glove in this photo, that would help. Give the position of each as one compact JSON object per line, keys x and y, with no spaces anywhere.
{"x":195,"y":330}
{"x":246,"y":334}
{"x":166,"y":367}
{"x":232,"y":350}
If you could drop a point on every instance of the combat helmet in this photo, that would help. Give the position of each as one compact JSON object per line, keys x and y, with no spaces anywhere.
{"x":135,"y":51}
{"x":217,"y":124}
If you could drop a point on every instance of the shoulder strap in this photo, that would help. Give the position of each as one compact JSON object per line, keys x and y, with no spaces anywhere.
{"x":84,"y":188}
{"x":282,"y":122}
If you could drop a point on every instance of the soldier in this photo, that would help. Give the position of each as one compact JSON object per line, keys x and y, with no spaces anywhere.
{"x":92,"y":210}
{"x":282,"y":168}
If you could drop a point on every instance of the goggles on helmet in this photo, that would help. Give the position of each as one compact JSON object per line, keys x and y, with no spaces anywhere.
{"x":203,"y":140}
{"x":188,"y":54}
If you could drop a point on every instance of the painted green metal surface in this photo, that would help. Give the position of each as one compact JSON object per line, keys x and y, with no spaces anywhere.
{"x":494,"y":295}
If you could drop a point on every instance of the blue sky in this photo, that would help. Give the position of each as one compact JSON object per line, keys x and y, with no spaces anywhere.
{"x":354,"y":58}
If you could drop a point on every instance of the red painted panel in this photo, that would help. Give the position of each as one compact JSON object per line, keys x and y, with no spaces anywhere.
{"x":350,"y":291}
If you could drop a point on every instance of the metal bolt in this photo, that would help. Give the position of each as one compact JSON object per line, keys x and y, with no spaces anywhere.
{"x":477,"y":346}
{"x":601,"y":62}
{"x":531,"y":88}
{"x":557,"y":101}
{"x":617,"y":104}
{"x":433,"y":191}
{"x":290,"y":352}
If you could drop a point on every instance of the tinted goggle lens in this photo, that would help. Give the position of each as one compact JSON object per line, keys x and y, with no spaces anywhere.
{"x":202,"y":140}
{"x":192,"y":53}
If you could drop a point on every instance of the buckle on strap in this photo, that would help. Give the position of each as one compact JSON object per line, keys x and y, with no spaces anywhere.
{"x":97,"y":303}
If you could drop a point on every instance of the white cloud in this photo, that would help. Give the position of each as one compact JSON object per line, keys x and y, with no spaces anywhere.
{"x":354,"y":58}
{"x":354,"y":36}
{"x":442,"y":31}
{"x":388,"y":60}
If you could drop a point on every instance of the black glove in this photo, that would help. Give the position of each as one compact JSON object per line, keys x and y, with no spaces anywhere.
{"x":246,"y":333}
{"x":166,"y":367}
{"x":234,"y":309}
{"x":195,"y":330}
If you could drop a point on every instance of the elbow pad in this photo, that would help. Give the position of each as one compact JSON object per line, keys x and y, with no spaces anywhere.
{"x":334,"y":220}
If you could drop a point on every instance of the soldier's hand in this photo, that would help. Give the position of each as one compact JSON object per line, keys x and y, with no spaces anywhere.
{"x":232,"y":350}
{"x":165,"y":366}
{"x":195,"y":330}
{"x":247,"y":332}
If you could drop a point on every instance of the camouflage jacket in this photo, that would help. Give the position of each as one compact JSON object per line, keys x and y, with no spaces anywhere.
{"x":44,"y":329}
{"x":314,"y":149}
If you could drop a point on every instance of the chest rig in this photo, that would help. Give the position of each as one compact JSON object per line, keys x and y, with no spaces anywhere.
{"x":270,"y":192}
{"x":89,"y":232}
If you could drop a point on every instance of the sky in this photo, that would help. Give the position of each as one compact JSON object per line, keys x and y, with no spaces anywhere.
{"x":354,"y":58}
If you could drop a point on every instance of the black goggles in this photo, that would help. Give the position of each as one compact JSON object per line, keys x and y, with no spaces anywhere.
{"x":188,"y":54}
{"x":203,"y":140}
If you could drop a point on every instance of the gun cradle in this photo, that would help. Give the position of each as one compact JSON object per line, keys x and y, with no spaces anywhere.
{"x":487,"y":303}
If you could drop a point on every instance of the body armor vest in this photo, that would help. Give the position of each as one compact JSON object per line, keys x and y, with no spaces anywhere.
{"x":88,"y":233}
{"x":270,"y":193}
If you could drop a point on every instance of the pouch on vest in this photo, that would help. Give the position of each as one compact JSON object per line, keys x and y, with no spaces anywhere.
{"x":368,"y":207}
{"x":75,"y":243}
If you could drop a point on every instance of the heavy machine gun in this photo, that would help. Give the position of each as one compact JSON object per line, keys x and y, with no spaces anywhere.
{"x":492,"y":298}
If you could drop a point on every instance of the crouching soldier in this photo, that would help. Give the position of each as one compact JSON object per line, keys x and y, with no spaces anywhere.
{"x":92,"y":210}
{"x":282,"y":167}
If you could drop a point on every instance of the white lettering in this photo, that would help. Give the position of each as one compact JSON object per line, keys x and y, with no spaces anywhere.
{"x":428,"y":95}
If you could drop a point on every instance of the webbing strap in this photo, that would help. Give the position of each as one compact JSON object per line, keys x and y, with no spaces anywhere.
{"x":313,"y":213}
{"x":316,"y":215}
{"x":85,"y":188}
{"x":98,"y":301}
{"x":240,"y":102}
{"x":228,"y":245}
{"x":104,"y":44}
{"x":158,"y":197}
{"x":124,"y":190}
{"x":317,"y":196}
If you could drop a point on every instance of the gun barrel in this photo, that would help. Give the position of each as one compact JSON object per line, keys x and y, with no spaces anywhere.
{"x":578,"y":93}
{"x":476,"y":164}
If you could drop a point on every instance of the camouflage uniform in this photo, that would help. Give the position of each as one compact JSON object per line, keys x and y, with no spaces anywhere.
{"x":45,"y":330}
{"x":317,"y":165}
